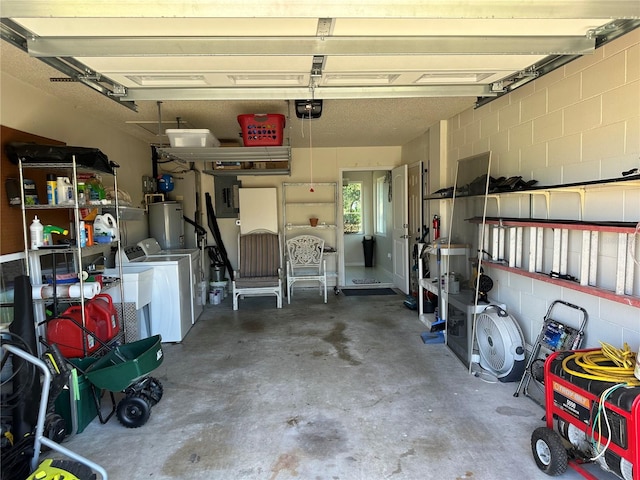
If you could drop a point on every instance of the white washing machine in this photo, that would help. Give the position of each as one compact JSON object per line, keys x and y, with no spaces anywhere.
{"x":152,"y":249}
{"x":171,"y":306}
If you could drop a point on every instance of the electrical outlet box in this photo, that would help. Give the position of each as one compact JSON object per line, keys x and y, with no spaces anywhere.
{"x":149,"y":184}
{"x":226,"y":196}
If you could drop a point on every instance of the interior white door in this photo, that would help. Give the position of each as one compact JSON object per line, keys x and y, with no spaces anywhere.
{"x":400,"y":228}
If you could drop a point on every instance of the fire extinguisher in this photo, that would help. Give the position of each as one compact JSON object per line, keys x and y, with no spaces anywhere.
{"x":436,"y":227}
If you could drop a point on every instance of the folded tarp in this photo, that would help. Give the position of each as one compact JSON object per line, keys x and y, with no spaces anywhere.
{"x":91,"y":158}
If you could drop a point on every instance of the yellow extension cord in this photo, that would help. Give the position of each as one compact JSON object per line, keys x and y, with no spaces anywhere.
{"x":597,"y":364}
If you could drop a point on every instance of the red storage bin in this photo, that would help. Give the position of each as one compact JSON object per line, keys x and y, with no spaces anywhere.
{"x":262,"y":130}
{"x":70,"y":337}
{"x":102,"y":309}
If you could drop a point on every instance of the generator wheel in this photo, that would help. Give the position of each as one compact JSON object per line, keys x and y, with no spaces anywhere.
{"x":549,"y":452}
{"x":133,"y":411}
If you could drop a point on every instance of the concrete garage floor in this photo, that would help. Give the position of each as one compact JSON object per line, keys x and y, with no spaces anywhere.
{"x":341,"y":391}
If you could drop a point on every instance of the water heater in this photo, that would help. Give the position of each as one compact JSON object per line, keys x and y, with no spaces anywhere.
{"x":166,"y":224}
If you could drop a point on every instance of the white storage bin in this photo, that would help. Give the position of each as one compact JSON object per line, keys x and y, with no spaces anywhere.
{"x":185,"y":137}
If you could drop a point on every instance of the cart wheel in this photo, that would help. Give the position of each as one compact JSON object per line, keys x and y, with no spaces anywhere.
{"x":549,"y":452}
{"x":55,"y":428}
{"x":154,"y":390}
{"x":133,"y":411}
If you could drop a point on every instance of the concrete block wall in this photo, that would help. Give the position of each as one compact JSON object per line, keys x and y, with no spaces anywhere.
{"x":578,"y":123}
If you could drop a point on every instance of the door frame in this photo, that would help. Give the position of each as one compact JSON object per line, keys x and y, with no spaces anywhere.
{"x":339,"y":224}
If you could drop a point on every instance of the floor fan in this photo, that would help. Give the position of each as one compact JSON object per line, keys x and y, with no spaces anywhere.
{"x":500,"y":344}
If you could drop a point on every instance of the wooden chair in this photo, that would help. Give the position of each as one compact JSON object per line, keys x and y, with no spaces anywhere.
{"x":259,"y":267}
{"x":305,"y":262}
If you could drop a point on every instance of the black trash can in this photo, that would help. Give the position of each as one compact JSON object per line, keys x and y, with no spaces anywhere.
{"x":367,"y":245}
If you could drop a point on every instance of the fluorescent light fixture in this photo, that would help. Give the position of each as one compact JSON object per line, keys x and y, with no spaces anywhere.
{"x":452,"y":77}
{"x":266,"y":80}
{"x":359,"y":79}
{"x":168,"y":80}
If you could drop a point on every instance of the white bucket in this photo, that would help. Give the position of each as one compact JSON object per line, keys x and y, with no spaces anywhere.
{"x":215,"y":297}
{"x":219,"y":286}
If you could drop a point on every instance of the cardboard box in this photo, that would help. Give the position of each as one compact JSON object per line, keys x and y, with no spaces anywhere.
{"x":278,"y":165}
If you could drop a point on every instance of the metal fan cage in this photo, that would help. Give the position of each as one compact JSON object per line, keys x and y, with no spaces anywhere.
{"x":500,"y":342}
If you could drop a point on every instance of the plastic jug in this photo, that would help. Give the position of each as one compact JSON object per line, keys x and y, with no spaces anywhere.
{"x":103,"y":311}
{"x":66,"y":332}
{"x":65,"y":190}
{"x":105,"y":226}
{"x":37,"y":233}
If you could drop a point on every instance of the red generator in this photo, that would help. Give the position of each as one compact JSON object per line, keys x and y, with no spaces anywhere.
{"x":579,"y":431}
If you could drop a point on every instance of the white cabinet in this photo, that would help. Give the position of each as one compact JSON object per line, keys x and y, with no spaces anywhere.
{"x":302,"y":202}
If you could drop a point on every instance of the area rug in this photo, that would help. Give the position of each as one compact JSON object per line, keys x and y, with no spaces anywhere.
{"x":358,"y":292}
{"x":364,"y":281}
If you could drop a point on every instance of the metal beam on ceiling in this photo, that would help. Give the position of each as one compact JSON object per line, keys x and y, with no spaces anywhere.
{"x":265,"y":93}
{"x":441,"y":9}
{"x":290,"y":46}
{"x":74,"y":70}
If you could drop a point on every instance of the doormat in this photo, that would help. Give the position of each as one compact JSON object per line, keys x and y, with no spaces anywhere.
{"x":364,"y":281}
{"x":358,"y":292}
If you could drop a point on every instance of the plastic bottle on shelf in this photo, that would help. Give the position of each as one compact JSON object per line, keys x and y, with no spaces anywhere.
{"x":52,"y":191}
{"x":96,"y":189}
{"x":82,"y":235}
{"x":37,"y":233}
{"x":81,"y":193}
{"x":65,"y":190}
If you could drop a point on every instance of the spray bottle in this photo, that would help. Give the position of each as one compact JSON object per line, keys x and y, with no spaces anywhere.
{"x":50,"y":229}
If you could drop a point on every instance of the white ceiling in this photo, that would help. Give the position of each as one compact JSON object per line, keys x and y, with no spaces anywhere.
{"x":385,"y":71}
